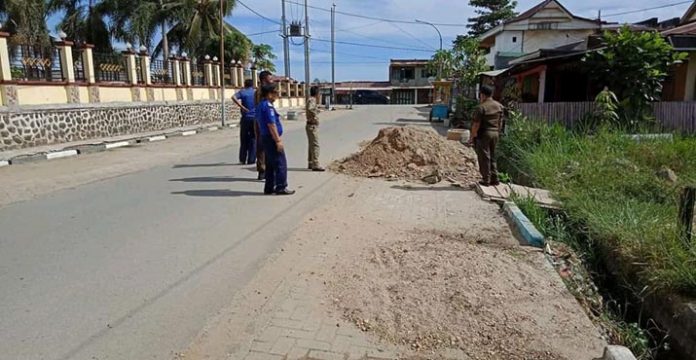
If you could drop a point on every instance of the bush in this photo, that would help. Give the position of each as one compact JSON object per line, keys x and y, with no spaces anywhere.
{"x":608,"y":183}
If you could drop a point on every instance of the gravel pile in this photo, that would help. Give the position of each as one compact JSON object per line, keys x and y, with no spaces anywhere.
{"x":412,"y":153}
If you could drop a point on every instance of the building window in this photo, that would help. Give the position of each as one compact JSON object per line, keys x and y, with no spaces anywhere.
{"x":407,"y":74}
{"x":544,"y":26}
{"x":514,"y":39}
{"x":425,"y":73}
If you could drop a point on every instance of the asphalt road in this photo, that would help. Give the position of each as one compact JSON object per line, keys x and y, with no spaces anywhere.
{"x":132,"y":267}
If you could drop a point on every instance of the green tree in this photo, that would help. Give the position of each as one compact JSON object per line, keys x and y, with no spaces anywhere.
{"x":237,"y":46}
{"x":194,"y":22}
{"x":470,"y":60}
{"x":86,"y":22}
{"x":633,"y":65}
{"x":26,"y":19}
{"x":491,"y":13}
{"x":263,"y":57}
{"x":443,"y":64}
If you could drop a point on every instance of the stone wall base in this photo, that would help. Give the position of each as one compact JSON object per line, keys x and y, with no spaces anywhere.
{"x":27,"y":127}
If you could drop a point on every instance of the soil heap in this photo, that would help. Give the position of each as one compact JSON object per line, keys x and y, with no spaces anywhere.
{"x":411,"y":153}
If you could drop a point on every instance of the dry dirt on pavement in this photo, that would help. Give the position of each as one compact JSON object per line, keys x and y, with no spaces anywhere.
{"x":388,"y":271}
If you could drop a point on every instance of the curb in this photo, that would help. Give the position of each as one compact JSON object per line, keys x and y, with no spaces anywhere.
{"x":76,"y":150}
{"x":529,"y":233}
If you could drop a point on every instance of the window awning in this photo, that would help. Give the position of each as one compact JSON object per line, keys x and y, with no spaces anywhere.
{"x":494,"y":73}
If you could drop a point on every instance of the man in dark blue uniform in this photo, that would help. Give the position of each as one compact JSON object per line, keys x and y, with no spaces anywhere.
{"x":245,"y":99}
{"x":271,"y":129}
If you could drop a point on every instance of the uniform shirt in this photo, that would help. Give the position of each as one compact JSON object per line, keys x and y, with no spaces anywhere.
{"x":247,"y":97}
{"x":266,"y":114}
{"x":312,"y":112}
{"x":489,"y":114}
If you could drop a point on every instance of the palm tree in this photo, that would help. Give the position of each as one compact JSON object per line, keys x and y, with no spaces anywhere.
{"x":237,"y":46}
{"x":86,"y":22}
{"x":193,"y":23}
{"x":263,"y":57}
{"x":26,"y":19}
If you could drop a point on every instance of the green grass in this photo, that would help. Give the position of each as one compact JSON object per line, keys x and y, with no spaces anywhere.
{"x":608,"y":184}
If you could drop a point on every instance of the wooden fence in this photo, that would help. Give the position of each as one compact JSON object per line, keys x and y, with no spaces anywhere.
{"x":672,"y":116}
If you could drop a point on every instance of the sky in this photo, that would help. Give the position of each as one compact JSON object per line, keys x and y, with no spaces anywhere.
{"x":407,"y":40}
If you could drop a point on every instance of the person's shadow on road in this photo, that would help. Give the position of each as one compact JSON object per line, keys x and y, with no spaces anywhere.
{"x":217,"y":193}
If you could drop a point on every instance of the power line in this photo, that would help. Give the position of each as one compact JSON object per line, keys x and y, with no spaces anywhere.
{"x":360,"y":26}
{"x":262,"y":33}
{"x":411,"y":35}
{"x":326,"y":51}
{"x":648,"y":9}
{"x":376,"y":39}
{"x":258,"y":14}
{"x":373,"y":17}
{"x":375,"y":46}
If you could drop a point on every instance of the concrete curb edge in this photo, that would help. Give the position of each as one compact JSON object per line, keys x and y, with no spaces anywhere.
{"x":527,"y":230}
{"x":76,"y":150}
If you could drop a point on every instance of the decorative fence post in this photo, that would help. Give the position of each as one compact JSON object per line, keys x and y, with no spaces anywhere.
{"x":240,"y":75}
{"x":88,"y":63}
{"x":216,"y":73}
{"x":297,"y":89}
{"x":176,"y":71}
{"x":5,"y":69}
{"x":233,"y":74}
{"x":208,"y":69}
{"x":186,"y":70}
{"x":288,"y":88}
{"x":131,"y":66}
{"x":145,"y":71}
{"x":254,"y":76}
{"x":66,"y":61}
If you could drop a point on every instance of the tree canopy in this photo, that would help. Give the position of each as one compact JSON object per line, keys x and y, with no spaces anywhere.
{"x":491,"y":13}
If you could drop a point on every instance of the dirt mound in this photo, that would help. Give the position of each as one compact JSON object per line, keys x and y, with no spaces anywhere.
{"x":411,"y":153}
{"x":432,"y":291}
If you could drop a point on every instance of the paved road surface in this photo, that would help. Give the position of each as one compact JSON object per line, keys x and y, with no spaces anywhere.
{"x":131,"y":267}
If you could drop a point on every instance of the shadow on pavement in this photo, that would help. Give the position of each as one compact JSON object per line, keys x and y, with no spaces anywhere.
{"x":218,"y":193}
{"x":427,"y":188}
{"x":213,"y":179}
{"x":183,"y":166}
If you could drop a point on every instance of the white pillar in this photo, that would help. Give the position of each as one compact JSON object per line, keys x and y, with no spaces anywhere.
{"x":240,"y":76}
{"x":176,"y":71}
{"x":186,"y":69}
{"x":145,"y":71}
{"x":216,"y":74}
{"x":88,"y":64}
{"x":415,"y":96}
{"x":254,"y":76}
{"x":5,"y":69}
{"x":131,"y":67}
{"x":233,"y":76}
{"x":66,"y":61}
{"x":208,"y":68}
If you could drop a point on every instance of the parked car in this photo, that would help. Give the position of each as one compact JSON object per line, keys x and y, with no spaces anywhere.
{"x":369,"y":97}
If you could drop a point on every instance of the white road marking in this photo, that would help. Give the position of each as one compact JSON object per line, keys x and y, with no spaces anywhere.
{"x":157,"y":138}
{"x":189,"y":133}
{"x":117,"y":145}
{"x":61,"y":154}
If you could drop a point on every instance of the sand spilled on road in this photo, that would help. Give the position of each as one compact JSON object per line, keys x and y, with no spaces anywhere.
{"x":432,"y":291}
{"x":411,"y":153}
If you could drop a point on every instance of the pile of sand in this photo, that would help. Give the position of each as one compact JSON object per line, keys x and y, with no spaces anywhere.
{"x":411,"y":153}
{"x":431,"y":291}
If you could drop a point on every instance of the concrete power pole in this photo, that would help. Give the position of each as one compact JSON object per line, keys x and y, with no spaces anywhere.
{"x":306,"y":51}
{"x":333,"y":55}
{"x":286,"y":44}
{"x":222,"y":61}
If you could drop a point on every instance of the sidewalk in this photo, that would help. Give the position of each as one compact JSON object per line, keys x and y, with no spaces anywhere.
{"x":292,"y":311}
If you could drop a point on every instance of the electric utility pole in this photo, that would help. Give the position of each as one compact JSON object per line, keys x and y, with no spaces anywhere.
{"x":222,"y":60}
{"x":306,"y":51}
{"x":286,"y":44}
{"x":333,"y":55}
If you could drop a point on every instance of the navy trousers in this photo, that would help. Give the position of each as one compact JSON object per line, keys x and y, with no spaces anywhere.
{"x":247,"y":141}
{"x":276,"y":167}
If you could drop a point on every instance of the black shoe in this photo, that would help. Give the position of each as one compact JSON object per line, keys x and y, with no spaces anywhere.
{"x":318,"y":169}
{"x":262,"y":176}
{"x":495,"y":183}
{"x":483,"y":183}
{"x":268,"y":192}
{"x":285,"y":192}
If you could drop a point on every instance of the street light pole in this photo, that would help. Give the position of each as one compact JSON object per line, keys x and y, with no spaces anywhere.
{"x":222,"y":60}
{"x":439,"y":70}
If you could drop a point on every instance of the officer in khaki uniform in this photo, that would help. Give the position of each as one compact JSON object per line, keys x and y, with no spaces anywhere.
{"x":485,"y":133}
{"x":313,"y":129}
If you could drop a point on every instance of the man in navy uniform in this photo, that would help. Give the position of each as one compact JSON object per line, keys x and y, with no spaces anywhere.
{"x":246,"y":101}
{"x":271,"y":130}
